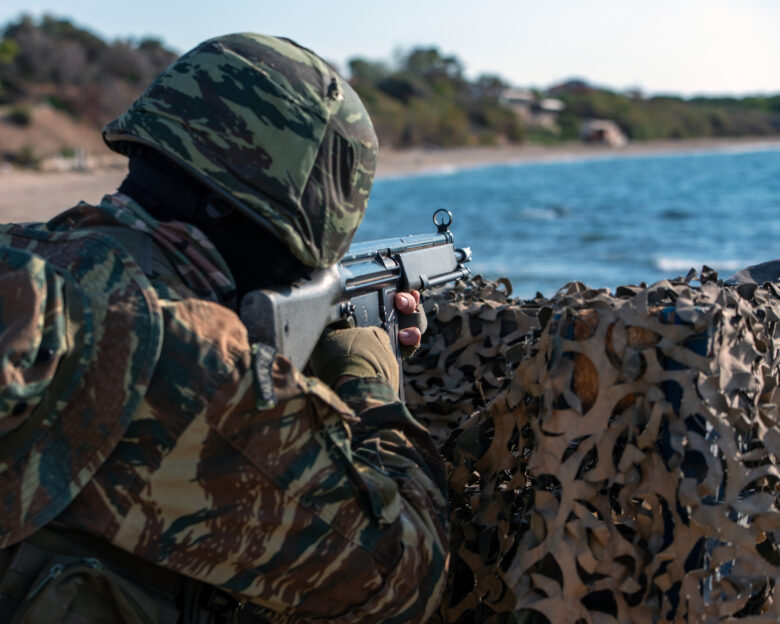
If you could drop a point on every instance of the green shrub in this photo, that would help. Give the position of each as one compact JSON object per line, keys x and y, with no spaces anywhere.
{"x":20,"y":116}
{"x":28,"y":158}
{"x":8,"y":50}
{"x":57,"y":103}
{"x":489,"y":138}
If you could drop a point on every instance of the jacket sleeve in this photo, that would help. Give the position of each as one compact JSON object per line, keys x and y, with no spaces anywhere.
{"x":312,"y":507}
{"x":357,"y":530}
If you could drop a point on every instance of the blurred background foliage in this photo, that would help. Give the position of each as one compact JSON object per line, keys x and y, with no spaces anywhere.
{"x":671,"y":117}
{"x":51,"y":60}
{"x":425,"y":101}
{"x":421,"y":99}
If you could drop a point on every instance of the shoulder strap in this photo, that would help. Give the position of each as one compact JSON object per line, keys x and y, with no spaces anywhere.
{"x":149,"y":257}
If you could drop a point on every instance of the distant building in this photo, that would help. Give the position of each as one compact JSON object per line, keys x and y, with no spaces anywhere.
{"x":535,"y":112}
{"x":603,"y":132}
{"x":518,"y":98}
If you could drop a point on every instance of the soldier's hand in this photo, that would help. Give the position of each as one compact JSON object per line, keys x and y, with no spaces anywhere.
{"x":343,"y":354}
{"x":412,"y":321}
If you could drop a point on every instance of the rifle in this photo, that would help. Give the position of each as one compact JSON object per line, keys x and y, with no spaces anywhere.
{"x":358,"y":291}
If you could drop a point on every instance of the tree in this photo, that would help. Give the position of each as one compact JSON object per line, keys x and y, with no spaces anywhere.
{"x":490,"y":85}
{"x":429,"y":63}
{"x":8,"y":50}
{"x":367,"y":72}
{"x":72,"y":67}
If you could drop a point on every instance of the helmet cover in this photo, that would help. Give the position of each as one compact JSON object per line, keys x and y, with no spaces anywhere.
{"x":273,"y":129}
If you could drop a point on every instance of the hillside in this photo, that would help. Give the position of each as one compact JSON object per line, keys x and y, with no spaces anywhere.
{"x":59,"y":83}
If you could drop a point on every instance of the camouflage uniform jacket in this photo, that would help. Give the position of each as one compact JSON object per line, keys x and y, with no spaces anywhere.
{"x":322,"y":508}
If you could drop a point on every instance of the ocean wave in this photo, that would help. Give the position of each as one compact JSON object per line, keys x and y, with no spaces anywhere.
{"x":675,"y":215}
{"x":684,"y":264}
{"x":750,"y":148}
{"x":443,"y":170}
{"x":548,"y":213}
{"x":433,"y":172}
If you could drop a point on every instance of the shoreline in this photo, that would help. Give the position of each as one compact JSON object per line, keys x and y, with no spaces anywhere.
{"x":36,"y":196}
{"x":419,"y":161}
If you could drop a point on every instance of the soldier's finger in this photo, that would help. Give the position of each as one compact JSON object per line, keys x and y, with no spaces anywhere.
{"x":405,"y":302}
{"x":411,"y":336}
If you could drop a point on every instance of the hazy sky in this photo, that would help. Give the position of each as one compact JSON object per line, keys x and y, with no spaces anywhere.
{"x":659,"y":46}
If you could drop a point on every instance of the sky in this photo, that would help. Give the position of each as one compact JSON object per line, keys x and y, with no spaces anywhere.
{"x":684,"y":47}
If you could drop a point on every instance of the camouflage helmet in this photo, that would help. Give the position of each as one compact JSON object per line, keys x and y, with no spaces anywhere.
{"x":273,"y":129}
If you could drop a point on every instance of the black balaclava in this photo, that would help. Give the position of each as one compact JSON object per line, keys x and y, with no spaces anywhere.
{"x":255,"y":258}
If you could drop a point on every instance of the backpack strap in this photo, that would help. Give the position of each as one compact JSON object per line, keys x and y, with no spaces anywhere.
{"x":140,"y":246}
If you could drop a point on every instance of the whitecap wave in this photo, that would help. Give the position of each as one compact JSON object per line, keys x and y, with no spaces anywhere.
{"x":684,"y":264}
{"x":750,"y":148}
{"x":443,"y":170}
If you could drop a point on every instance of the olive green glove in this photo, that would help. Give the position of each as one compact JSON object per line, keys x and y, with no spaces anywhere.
{"x":357,"y":351}
{"x":416,"y":319}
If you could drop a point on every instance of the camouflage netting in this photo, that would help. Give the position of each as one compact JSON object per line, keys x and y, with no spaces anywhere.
{"x":611,"y":458}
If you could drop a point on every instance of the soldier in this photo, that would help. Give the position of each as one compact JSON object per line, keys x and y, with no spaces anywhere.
{"x":143,"y":478}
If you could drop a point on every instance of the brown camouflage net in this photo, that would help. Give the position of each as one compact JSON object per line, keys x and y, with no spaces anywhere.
{"x":612,"y":458}
{"x":463,"y":361}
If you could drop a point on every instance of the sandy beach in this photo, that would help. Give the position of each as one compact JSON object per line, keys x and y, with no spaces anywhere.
{"x":415,"y":161}
{"x":33,"y":196}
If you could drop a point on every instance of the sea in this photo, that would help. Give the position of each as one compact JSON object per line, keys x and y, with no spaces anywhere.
{"x":603,"y":220}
